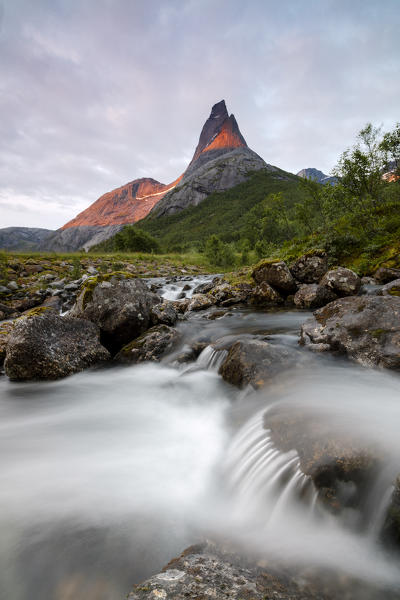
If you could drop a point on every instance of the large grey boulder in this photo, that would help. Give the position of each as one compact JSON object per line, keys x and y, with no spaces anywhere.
{"x":342,"y":281}
{"x":366,"y":328}
{"x":150,"y":346}
{"x":276,"y":273}
{"x":265,"y":295}
{"x":310,"y":267}
{"x":255,"y":362}
{"x":120,"y":306}
{"x":313,"y":296}
{"x":48,"y":346}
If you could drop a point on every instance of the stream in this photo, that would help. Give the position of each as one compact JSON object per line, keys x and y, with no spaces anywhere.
{"x":108,"y":474}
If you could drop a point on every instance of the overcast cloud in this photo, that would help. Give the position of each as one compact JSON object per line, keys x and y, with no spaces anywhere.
{"x":95,"y":93}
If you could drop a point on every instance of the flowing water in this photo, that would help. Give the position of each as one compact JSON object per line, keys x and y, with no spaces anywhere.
{"x":106,"y":475}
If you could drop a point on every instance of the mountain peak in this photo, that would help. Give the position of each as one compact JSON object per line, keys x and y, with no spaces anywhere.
{"x":219,"y":131}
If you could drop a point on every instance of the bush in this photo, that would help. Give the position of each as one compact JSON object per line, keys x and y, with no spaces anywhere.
{"x":131,"y":239}
{"x":218,"y":253}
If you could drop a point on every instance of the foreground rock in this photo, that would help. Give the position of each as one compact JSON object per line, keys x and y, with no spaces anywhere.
{"x":255,"y":362}
{"x":366,"y":328}
{"x":276,"y":273}
{"x":342,"y":281}
{"x":47,"y":346}
{"x":265,"y":295}
{"x":120,"y":306}
{"x":205,"y":572}
{"x":151,"y":346}
{"x":310,"y":267}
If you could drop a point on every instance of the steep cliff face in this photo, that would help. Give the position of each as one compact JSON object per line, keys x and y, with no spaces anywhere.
{"x":221,"y":160}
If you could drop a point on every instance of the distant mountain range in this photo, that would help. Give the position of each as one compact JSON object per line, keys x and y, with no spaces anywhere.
{"x":221,"y":160}
{"x":22,"y":238}
{"x":316,"y":175}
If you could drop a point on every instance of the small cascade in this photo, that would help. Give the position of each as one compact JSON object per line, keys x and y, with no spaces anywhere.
{"x":211,"y":359}
{"x":264,"y":478}
{"x":378,"y":519}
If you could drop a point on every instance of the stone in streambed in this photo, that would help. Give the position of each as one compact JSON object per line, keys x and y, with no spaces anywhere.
{"x":46,"y":346}
{"x":342,"y":281}
{"x":310,"y":267}
{"x":313,"y":296}
{"x":119,"y":305}
{"x":276,"y":273}
{"x":151,"y":346}
{"x":255,"y":362}
{"x":366,"y":328}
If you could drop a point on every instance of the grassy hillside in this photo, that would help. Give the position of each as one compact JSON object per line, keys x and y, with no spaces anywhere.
{"x":223,"y":214}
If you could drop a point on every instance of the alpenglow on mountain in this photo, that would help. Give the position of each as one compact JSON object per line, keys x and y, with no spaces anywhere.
{"x":221,"y":160}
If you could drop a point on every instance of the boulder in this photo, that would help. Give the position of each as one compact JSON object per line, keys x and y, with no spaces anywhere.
{"x":276,"y":273}
{"x":199,"y":302}
{"x":164,"y":314}
{"x":385,"y":275}
{"x":342,"y":281}
{"x":47,"y":346}
{"x":226,"y":294}
{"x":265,"y":295}
{"x":310,"y":267}
{"x":342,"y":467}
{"x":255,"y":362}
{"x":5,"y":331}
{"x":390,"y":289}
{"x":119,"y":305}
{"x":366,"y":328}
{"x":150,"y":346}
{"x":313,"y":295}
{"x":204,"y":288}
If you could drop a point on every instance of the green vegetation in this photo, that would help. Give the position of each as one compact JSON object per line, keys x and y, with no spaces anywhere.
{"x":3,"y":269}
{"x":129,"y":239}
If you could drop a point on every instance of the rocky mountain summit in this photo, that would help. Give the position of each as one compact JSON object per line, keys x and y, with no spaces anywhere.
{"x":317,"y":176}
{"x":221,"y":160}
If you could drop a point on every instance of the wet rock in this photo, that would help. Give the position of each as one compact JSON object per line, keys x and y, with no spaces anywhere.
{"x":385,"y":275}
{"x":164,"y":314}
{"x":199,"y":302}
{"x":255,"y":362}
{"x":342,"y":281}
{"x":310,"y":267}
{"x":226,"y":294}
{"x":313,"y":296}
{"x":206,"y":571}
{"x":342,"y":467}
{"x":122,"y":309}
{"x":151,"y":346}
{"x":47,"y":346}
{"x":204,"y":288}
{"x":180,"y":306}
{"x":276,"y":274}
{"x":390,"y":289}
{"x":366,"y":328}
{"x":265,"y":295}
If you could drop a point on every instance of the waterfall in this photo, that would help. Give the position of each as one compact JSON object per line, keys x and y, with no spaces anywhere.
{"x":211,"y":359}
{"x":262,"y":477}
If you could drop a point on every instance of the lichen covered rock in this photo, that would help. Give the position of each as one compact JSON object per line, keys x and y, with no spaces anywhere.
{"x":119,"y":305}
{"x":313,"y":295}
{"x":276,"y":273}
{"x":150,"y":346}
{"x":366,"y":328}
{"x":342,"y":281}
{"x":47,"y":346}
{"x":310,"y":267}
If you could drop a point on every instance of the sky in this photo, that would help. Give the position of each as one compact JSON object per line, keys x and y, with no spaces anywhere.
{"x":96,"y":93}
